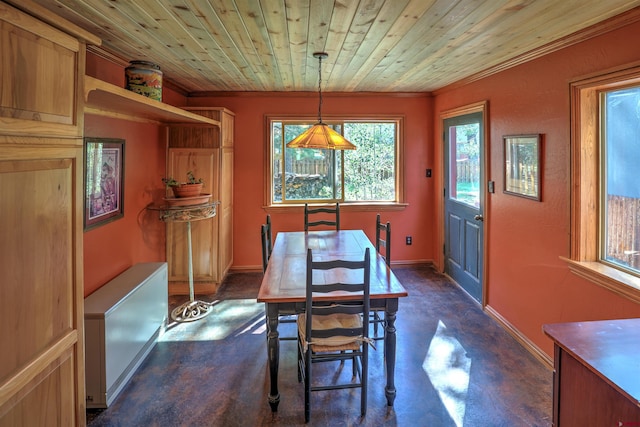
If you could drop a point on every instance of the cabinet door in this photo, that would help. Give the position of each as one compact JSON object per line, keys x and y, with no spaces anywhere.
{"x":38,"y":76}
{"x":584,"y":398}
{"x":202,"y":162}
{"x":225,"y":211}
{"x":41,"y":329}
{"x":227,"y":120}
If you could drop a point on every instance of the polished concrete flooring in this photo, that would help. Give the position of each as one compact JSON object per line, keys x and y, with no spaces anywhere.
{"x":455,"y":367}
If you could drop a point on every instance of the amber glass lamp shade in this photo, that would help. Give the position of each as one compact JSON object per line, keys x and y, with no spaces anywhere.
{"x":322,"y":137}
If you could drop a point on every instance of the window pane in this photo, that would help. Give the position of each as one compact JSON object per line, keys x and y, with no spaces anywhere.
{"x":465,"y":164}
{"x":369,"y":171}
{"x":276,"y":161}
{"x":309,"y":174}
{"x":621,"y":192}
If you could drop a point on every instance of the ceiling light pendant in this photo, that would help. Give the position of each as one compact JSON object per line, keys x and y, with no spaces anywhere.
{"x":320,"y":136}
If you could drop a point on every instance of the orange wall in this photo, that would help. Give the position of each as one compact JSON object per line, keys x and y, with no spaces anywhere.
{"x":250,"y":148}
{"x":527,"y":283}
{"x":139,"y":236}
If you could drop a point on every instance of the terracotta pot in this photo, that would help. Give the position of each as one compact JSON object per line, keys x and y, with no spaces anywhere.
{"x":187,"y":190}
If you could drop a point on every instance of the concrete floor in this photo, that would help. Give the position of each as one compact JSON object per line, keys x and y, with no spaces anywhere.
{"x":455,"y":367}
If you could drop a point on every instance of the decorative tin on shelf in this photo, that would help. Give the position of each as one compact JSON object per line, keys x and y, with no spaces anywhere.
{"x":145,"y":78}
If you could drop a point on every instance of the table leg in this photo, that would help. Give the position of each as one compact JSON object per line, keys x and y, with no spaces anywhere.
{"x":273,"y":353}
{"x":391,"y":308}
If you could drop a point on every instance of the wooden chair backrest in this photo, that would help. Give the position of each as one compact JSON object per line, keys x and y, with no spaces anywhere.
{"x":344,"y":281}
{"x":383,"y":239}
{"x":312,"y":211}
{"x":266,"y":242}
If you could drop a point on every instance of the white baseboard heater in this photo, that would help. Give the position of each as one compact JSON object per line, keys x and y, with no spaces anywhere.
{"x":123,"y":319}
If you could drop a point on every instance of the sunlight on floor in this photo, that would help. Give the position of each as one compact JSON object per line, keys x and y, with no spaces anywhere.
{"x":448,"y":368}
{"x":231,"y":317}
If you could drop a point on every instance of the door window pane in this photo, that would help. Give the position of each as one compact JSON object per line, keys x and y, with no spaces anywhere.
{"x":620,"y":230}
{"x":464,"y":167}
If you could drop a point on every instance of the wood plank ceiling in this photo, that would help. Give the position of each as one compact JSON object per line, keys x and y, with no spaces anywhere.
{"x":373,"y":45}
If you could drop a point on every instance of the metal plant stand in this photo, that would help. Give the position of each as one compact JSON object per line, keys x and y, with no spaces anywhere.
{"x":192,"y":309}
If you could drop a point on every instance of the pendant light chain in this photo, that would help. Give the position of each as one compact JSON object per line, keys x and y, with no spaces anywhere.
{"x":320,"y":88}
{"x":320,"y":136}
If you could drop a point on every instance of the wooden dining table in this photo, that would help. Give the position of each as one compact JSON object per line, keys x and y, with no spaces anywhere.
{"x":283,"y":289}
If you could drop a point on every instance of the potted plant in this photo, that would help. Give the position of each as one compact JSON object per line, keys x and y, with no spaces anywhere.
{"x":191,"y":188}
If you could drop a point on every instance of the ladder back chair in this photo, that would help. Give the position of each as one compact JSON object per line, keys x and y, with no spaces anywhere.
{"x":383,"y":247}
{"x":383,"y":239}
{"x":335,"y":222}
{"x":267,"y":244}
{"x":337,"y":330}
{"x":267,"y":248}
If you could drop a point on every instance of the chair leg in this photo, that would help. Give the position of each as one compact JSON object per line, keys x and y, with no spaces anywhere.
{"x":364,"y":380}
{"x":300,"y":360}
{"x":307,"y":386}
{"x":354,"y":366}
{"x":376,"y":320}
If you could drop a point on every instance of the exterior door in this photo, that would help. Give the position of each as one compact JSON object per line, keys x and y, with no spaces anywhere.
{"x":464,"y":201}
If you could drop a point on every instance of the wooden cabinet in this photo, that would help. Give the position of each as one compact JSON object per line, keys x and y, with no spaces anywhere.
{"x":208,"y":152}
{"x":39,"y":76}
{"x":42,"y":378}
{"x":596,"y":373}
{"x":44,"y":95}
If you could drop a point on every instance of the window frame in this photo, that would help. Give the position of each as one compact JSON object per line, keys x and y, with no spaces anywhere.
{"x":586,"y":156}
{"x":398,"y":204}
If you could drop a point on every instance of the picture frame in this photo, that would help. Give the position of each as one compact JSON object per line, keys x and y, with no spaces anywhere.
{"x":103,"y":181}
{"x":522,"y":165}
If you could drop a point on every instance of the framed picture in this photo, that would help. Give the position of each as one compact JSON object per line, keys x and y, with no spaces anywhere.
{"x":103,"y":181}
{"x":522,"y":154}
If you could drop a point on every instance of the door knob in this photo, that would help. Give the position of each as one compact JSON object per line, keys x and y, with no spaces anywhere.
{"x":478,"y":218}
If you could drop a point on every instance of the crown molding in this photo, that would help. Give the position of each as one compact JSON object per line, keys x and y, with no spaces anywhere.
{"x":306,"y":94}
{"x":608,"y":25}
{"x":106,"y":55}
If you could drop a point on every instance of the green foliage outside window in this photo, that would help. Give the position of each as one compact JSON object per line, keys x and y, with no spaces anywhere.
{"x":369,"y":171}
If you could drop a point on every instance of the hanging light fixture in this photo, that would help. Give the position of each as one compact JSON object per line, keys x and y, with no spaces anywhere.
{"x":320,"y":136}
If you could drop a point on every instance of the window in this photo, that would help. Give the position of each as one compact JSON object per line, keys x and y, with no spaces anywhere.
{"x":464,"y":171}
{"x":620,"y":192}
{"x":605,"y":201}
{"x":369,"y":174}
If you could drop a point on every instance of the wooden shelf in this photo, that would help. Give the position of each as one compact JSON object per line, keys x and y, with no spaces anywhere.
{"x":105,"y":99}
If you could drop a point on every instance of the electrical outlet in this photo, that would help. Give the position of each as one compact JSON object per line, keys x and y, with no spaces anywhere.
{"x":409,"y":240}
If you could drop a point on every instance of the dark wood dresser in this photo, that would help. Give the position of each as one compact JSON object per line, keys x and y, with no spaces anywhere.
{"x":596,"y":373}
